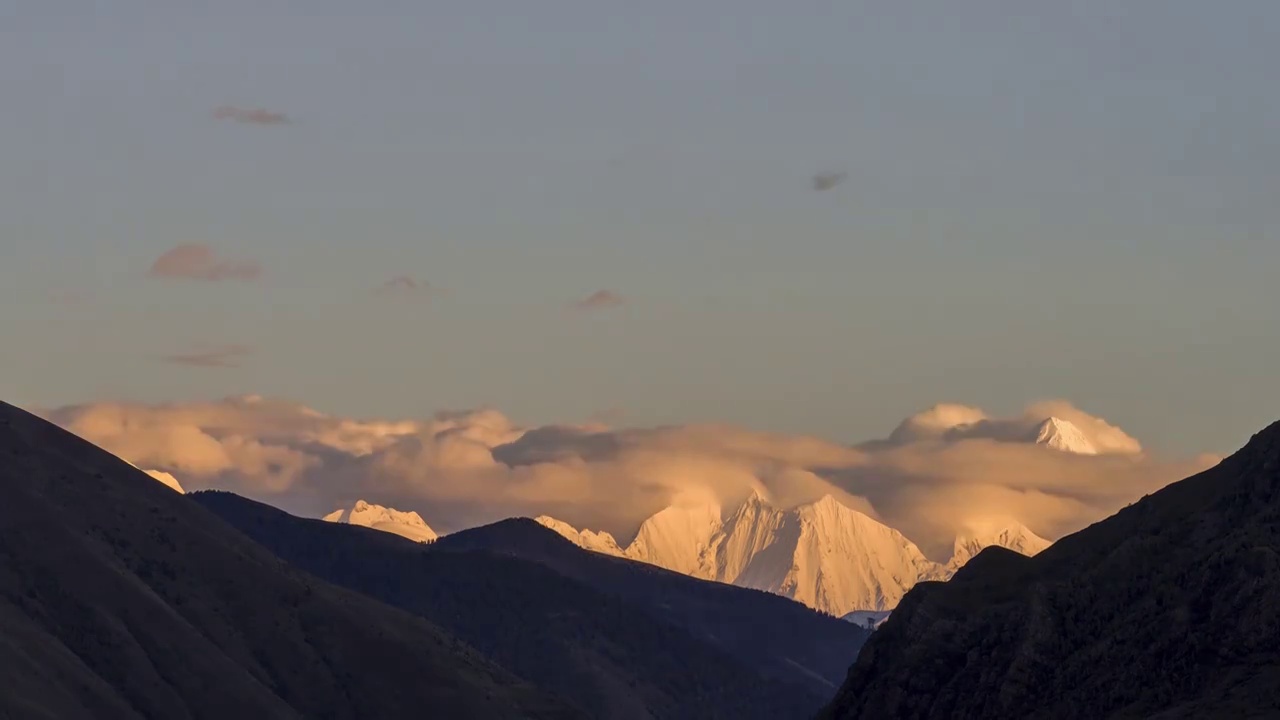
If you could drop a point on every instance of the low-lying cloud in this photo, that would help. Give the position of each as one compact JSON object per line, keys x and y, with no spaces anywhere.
{"x":194,"y":261}
{"x":945,"y":470}
{"x":250,"y":116}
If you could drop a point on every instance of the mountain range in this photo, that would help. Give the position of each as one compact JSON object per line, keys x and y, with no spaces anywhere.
{"x":823,"y":554}
{"x":613,"y":637}
{"x":122,"y":598}
{"x":1168,"y":609}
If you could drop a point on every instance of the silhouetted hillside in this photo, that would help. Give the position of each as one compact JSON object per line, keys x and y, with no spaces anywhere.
{"x":1169,"y":609}
{"x":120,"y":598}
{"x":779,"y":637}
{"x":598,"y":648}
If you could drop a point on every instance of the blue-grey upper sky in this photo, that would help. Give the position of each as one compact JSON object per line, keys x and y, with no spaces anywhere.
{"x":568,"y":208}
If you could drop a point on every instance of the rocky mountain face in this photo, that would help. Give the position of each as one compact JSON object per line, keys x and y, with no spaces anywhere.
{"x":1168,"y":609}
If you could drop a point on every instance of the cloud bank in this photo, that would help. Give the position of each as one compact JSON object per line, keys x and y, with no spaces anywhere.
{"x":193,"y":261}
{"x":943,"y":470}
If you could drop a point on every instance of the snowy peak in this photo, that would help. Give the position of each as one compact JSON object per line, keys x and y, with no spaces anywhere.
{"x":843,"y":560}
{"x":601,"y":542}
{"x":1062,"y":435}
{"x":406,"y":524}
{"x":1010,"y":534}
{"x":677,"y":537}
{"x":823,"y":554}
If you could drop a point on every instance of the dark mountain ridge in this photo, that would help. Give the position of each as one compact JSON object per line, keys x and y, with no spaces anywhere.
{"x":779,"y":637}
{"x":120,"y":598}
{"x":610,"y":650}
{"x":1168,"y":609}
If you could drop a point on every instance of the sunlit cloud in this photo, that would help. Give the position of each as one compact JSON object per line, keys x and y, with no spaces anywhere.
{"x":194,"y":261}
{"x":460,"y":469}
{"x":599,"y":300}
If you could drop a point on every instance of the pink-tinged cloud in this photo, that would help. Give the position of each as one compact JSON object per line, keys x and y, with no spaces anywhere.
{"x":403,"y":285}
{"x":600,"y":300}
{"x":251,"y":116}
{"x":205,"y":356}
{"x":193,"y":261}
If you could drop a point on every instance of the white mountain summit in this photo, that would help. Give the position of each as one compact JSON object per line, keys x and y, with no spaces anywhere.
{"x":979,"y":536}
{"x":406,"y":524}
{"x":823,"y":554}
{"x":1063,"y":435}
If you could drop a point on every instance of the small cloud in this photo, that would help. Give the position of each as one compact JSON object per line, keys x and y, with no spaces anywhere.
{"x":216,"y":356}
{"x":826,"y":181}
{"x":600,"y":300}
{"x":193,"y":261}
{"x":403,"y":285}
{"x":251,"y":116}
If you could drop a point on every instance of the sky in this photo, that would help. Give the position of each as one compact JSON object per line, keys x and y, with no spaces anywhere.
{"x":572,"y":210}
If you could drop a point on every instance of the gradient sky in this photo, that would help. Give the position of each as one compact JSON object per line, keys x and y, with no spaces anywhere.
{"x":1043,"y":199}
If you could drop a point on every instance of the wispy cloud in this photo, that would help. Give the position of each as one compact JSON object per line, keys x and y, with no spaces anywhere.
{"x":826,"y":181}
{"x":404,"y":285}
{"x":599,"y":300}
{"x":193,"y":261}
{"x":251,"y":116}
{"x":211,"y":356}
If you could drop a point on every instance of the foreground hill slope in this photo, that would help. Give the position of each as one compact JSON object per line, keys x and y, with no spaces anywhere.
{"x":778,"y":638}
{"x":610,"y":656}
{"x":121,"y":598}
{"x":1168,"y":609}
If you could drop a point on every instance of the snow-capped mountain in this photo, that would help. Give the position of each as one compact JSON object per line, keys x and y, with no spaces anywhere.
{"x":601,"y":542}
{"x":1063,"y":435}
{"x":823,"y":554}
{"x":1009,"y":534}
{"x":406,"y":524}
